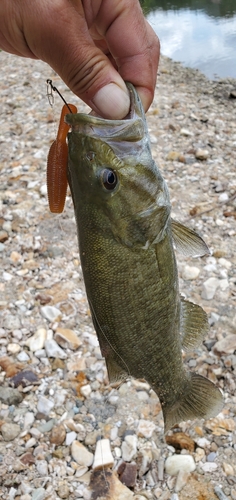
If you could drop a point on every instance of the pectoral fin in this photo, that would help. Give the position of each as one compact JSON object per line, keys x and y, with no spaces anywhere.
{"x":193,"y":324}
{"x":187,"y":241}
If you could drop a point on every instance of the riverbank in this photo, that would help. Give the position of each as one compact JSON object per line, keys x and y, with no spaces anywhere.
{"x":52,"y":417}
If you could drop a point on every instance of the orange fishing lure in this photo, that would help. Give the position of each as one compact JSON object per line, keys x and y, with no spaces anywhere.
{"x":57,"y":165}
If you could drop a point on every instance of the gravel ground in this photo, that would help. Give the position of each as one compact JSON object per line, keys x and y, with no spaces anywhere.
{"x":64,"y":432}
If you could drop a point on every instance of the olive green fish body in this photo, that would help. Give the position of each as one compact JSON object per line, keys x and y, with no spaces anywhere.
{"x":126,"y":235}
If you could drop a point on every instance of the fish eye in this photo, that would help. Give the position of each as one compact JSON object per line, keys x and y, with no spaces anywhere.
{"x":109,"y":179}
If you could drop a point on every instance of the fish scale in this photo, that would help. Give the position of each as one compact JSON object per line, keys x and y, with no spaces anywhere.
{"x":126,"y":242}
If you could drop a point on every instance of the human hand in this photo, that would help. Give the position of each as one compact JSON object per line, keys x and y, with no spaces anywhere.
{"x":94,"y":45}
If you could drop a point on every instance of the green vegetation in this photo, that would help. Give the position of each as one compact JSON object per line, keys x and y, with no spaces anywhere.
{"x":213,"y":8}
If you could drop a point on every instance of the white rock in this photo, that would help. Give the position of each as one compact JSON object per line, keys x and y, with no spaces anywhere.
{"x":190,"y":272}
{"x":201,"y":154}
{"x":51,"y":313}
{"x":145,"y":428}
{"x":209,"y":466}
{"x":224,"y":284}
{"x":223,"y":197}
{"x":175,"y":463}
{"x":23,"y":356}
{"x":37,"y":340}
{"x":225,"y":263}
{"x":103,"y":456}
{"x":199,"y":454}
{"x":228,"y":469}
{"x":13,"y":348}
{"x":85,"y":390}
{"x":181,"y":480}
{"x":117,"y":452}
{"x":209,"y":288}
{"x":80,"y":454}
{"x":226,"y":345}
{"x":44,"y":405}
{"x":142,"y":395}
{"x":81,"y":471}
{"x":70,"y":437}
{"x":42,"y":467}
{"x":35,"y":433}
{"x":53,"y":350}
{"x":203,"y":442}
{"x":43,"y":190}
{"x":129,"y":447}
{"x":113,"y":433}
{"x":30,"y":443}
{"x":186,"y":132}
{"x":28,"y":419}
{"x":7,"y":276}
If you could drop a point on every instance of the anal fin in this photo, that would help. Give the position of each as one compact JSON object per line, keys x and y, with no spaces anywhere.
{"x":193,"y":324}
{"x":187,"y":241}
{"x":200,"y":398}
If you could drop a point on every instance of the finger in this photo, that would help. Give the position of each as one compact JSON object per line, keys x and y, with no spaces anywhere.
{"x":73,"y":55}
{"x":133,"y":45}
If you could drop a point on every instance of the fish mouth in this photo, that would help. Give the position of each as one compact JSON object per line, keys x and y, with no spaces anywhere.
{"x":132,"y":128}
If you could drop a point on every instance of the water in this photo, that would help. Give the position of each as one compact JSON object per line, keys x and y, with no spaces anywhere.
{"x":199,"y":33}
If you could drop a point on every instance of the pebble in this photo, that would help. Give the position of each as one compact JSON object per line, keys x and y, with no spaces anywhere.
{"x":30,"y":443}
{"x":13,"y":348}
{"x":67,"y":338}
{"x":228,"y":469}
{"x":63,"y":490}
{"x":190,"y":272}
{"x":226,"y":345}
{"x":223,"y":197}
{"x":218,"y":491}
{"x":129,"y":447}
{"x":10,"y":396}
{"x":44,"y":405}
{"x":51,"y":313}
{"x":145,"y":428}
{"x":201,"y":154}
{"x":103,"y":456}
{"x":181,"y":480}
{"x":37,"y":341}
{"x":209,"y":466}
{"x":209,"y":288}
{"x":10,"y":431}
{"x":147,"y":457}
{"x":128,"y":473}
{"x":70,"y":437}
{"x":53,"y":350}
{"x":42,"y":467}
{"x":39,"y":494}
{"x":175,"y":463}
{"x":23,"y":356}
{"x":85,"y":390}
{"x":80,"y":454}
{"x":28,"y":419}
{"x":58,"y":435}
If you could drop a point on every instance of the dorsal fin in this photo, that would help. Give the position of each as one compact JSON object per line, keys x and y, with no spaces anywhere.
{"x":187,"y":241}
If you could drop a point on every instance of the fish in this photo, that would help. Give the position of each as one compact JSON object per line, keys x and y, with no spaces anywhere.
{"x":127,"y":241}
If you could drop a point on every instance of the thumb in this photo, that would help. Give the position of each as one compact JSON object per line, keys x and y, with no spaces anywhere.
{"x":86,"y":70}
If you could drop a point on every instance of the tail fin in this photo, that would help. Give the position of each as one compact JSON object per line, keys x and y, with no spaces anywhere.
{"x":200,"y":399}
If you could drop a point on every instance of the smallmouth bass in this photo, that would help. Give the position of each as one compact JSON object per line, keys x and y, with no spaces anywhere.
{"x":126,"y":242}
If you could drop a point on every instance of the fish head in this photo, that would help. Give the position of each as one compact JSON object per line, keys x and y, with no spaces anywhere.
{"x":112,"y":174}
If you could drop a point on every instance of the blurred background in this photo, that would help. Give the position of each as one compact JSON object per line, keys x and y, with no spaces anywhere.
{"x":199,"y":33}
